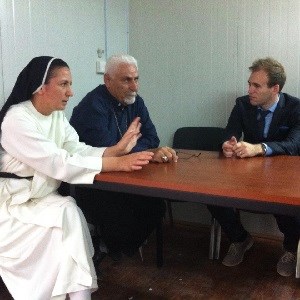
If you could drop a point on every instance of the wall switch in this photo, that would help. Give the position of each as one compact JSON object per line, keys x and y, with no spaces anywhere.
{"x":100,"y":66}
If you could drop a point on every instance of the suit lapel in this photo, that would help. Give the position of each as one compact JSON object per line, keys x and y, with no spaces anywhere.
{"x":277,"y":115}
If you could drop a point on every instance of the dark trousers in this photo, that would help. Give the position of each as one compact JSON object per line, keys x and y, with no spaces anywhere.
{"x":234,"y":230}
{"x":125,"y":220}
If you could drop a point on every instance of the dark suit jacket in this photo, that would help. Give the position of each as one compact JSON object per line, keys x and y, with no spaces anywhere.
{"x":284,"y":133}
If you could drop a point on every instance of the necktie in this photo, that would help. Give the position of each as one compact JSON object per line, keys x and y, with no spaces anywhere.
{"x":261,"y":118}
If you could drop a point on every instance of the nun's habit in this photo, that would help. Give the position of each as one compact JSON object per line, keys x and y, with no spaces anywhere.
{"x":45,"y":245}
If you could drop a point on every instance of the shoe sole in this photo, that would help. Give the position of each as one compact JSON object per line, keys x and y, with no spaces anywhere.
{"x":247,"y":248}
{"x":285,"y":274}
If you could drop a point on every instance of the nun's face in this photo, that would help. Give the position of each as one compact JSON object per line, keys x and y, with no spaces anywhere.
{"x":58,"y":90}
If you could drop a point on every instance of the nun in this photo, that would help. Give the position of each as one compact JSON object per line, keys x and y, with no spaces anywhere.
{"x":45,"y":245}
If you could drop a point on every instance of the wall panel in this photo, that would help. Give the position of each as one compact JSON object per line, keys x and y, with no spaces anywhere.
{"x":72,"y":30}
{"x":194,"y":57}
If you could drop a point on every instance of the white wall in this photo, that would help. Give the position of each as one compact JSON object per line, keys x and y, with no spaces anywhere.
{"x":116,"y":27}
{"x":71,"y":29}
{"x":1,"y":64}
{"x":194,"y":54}
{"x":193,"y":60}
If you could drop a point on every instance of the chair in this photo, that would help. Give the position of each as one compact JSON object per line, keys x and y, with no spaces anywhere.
{"x":207,"y":139}
{"x":199,"y":138}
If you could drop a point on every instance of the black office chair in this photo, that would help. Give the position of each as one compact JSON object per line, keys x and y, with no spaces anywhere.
{"x":199,"y":138}
{"x":207,"y":139}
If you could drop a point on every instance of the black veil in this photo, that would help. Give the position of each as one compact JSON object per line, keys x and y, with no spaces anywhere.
{"x":28,"y":82}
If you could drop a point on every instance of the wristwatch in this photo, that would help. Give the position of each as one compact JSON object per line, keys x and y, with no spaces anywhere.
{"x":264,"y":148}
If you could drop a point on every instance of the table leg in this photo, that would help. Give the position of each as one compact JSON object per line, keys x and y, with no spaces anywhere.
{"x":159,"y":245}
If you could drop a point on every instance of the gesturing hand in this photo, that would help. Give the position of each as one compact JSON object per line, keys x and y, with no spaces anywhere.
{"x":135,"y":161}
{"x":129,"y":162}
{"x":130,"y":137}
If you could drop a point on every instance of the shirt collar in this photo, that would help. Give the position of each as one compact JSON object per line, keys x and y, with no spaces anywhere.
{"x":273,"y":107}
{"x":115,"y":103}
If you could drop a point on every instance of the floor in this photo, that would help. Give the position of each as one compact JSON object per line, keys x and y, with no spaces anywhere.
{"x":189,"y":274}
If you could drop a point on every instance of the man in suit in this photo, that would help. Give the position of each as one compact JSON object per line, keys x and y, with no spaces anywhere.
{"x":269,"y":121}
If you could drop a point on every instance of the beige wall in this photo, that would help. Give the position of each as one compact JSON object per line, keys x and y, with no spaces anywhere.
{"x":194,"y":56}
{"x":71,"y":29}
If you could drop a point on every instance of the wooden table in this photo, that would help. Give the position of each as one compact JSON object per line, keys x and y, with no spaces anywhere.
{"x":263,"y":184}
{"x":267,"y":184}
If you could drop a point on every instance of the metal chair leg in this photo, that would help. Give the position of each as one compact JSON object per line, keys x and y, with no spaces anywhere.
{"x":212,"y":238}
{"x":217,"y":241}
{"x":298,"y":261}
{"x":141,"y":253}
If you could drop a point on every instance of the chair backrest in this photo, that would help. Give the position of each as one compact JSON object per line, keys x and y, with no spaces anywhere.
{"x":199,"y":138}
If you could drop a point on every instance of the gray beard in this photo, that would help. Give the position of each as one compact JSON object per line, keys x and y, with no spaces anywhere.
{"x":130,"y":100}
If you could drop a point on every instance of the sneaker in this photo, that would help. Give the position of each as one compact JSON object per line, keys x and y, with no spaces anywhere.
{"x":236,"y":252}
{"x":286,"y":265}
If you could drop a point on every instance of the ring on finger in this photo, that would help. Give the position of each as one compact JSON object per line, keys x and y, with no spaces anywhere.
{"x":165,"y":158}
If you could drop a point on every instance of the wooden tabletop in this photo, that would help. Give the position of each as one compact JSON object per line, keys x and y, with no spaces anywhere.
{"x":258,"y":183}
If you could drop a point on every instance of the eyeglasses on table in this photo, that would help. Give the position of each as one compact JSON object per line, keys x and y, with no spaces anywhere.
{"x":187,"y":155}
